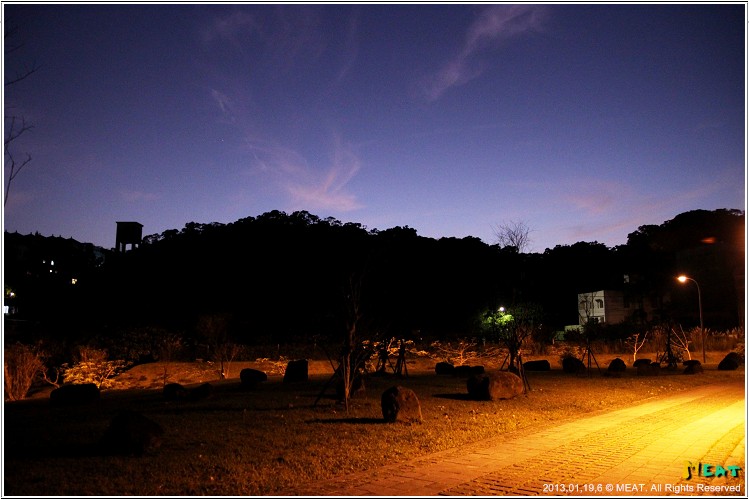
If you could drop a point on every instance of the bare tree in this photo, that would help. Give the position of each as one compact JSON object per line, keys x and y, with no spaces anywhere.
{"x":351,"y":357}
{"x":513,"y":234}
{"x":215,"y":331}
{"x":635,"y":342}
{"x":681,"y":340}
{"x":17,"y":125}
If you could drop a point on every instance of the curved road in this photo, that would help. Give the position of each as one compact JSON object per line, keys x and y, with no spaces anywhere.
{"x":643,"y":450}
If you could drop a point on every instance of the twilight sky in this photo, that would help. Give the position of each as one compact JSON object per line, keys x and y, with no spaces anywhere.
{"x":583,"y":121}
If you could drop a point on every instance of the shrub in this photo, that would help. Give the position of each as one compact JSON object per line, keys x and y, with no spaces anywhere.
{"x":93,"y":368}
{"x":22,"y":365}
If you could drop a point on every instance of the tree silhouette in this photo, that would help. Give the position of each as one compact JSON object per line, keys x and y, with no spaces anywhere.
{"x":16,"y":126}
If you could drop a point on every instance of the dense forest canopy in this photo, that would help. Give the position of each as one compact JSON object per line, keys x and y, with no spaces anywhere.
{"x":281,"y":277}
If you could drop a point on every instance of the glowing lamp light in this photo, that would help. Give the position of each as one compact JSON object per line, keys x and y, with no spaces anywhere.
{"x":683,"y":279}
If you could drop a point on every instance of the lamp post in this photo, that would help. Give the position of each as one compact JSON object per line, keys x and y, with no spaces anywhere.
{"x":683,"y":279}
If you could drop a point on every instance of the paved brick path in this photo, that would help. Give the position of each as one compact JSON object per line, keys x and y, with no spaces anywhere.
{"x":640,"y":450}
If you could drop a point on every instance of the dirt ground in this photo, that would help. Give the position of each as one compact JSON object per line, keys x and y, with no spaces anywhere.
{"x":155,"y":375}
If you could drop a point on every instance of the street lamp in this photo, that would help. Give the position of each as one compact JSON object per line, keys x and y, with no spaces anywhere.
{"x":683,"y":279}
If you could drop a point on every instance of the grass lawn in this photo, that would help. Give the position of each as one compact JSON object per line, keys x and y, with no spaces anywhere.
{"x":262,"y":441}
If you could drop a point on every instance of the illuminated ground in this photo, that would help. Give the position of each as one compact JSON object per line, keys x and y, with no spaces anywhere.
{"x":642,"y":450}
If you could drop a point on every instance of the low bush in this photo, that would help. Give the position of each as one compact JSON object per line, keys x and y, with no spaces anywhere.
{"x":22,"y":366}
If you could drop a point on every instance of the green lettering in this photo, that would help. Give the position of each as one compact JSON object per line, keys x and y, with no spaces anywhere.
{"x":734,"y":470}
{"x":719,"y":471}
{"x":706,"y":472}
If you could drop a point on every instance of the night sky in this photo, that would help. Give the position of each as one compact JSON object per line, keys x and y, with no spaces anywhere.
{"x":583,"y":121}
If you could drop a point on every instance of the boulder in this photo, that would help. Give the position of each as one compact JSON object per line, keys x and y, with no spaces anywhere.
{"x":175,"y":392}
{"x":444,"y":368}
{"x":646,"y":370}
{"x":463,"y":371}
{"x":131,"y":433}
{"x":75,"y":394}
{"x":571,"y":364}
{"x":296,"y":371}
{"x":693,"y":367}
{"x":728,"y":364}
{"x":617,"y":365}
{"x":537,"y":365}
{"x":202,"y":391}
{"x":400,"y":404}
{"x":737,"y":357}
{"x":250,"y":377}
{"x":641,"y":362}
{"x":494,"y":385}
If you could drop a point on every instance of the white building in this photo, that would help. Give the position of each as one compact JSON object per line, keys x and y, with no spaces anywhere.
{"x":603,"y":306}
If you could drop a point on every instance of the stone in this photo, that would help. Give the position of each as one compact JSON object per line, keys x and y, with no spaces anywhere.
{"x":571,"y":364}
{"x":537,"y":365}
{"x":617,"y":365}
{"x":728,"y":363}
{"x":75,"y":394}
{"x":463,"y":371}
{"x":736,"y":357}
{"x":203,"y":391}
{"x":494,"y":385}
{"x":131,"y":433}
{"x":296,"y":371}
{"x":175,"y":392}
{"x":444,"y":368}
{"x":647,"y":370}
{"x":400,"y":404}
{"x":693,"y":367}
{"x":640,"y":362}
{"x":250,"y":377}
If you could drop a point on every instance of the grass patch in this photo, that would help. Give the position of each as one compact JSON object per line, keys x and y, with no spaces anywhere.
{"x":263,"y":441}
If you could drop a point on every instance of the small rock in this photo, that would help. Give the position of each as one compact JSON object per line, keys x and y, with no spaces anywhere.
{"x":494,"y":386}
{"x":75,"y":394}
{"x":400,"y":404}
{"x":296,"y":371}
{"x":250,"y":377}
{"x":537,"y":365}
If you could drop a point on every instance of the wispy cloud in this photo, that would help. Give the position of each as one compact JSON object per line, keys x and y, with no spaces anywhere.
{"x":222,"y":101}
{"x":282,"y":36}
{"x":229,"y":26}
{"x":494,"y":25}
{"x":310,"y":187}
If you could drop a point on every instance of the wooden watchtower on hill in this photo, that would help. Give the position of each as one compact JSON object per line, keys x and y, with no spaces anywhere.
{"x":128,"y":233}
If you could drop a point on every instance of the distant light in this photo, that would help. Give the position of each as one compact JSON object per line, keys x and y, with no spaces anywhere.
{"x":709,"y":240}
{"x":682,"y":279}
{"x":51,"y":262}
{"x":74,"y":281}
{"x":502,"y":309}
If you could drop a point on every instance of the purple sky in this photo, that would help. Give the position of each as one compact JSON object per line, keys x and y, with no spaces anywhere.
{"x":583,"y":121}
